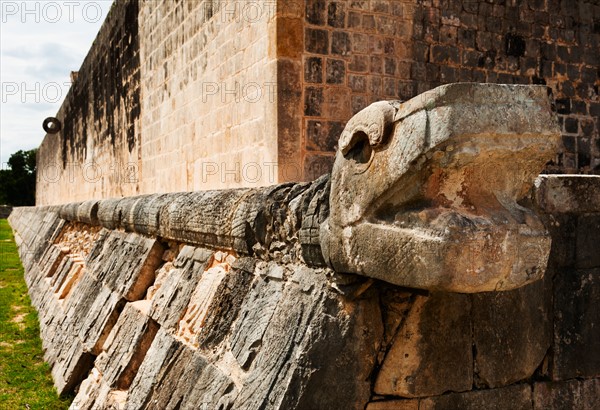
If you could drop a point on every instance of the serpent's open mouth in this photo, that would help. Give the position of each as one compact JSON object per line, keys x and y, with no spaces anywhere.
{"x":442,"y":181}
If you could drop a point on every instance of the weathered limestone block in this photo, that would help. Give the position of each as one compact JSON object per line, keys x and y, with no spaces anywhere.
{"x":248,"y":221}
{"x":222,"y":304}
{"x":91,"y":390}
{"x":171,"y":299}
{"x":146,"y":214}
{"x":587,"y":255}
{"x":568,"y":193}
{"x":107,"y":215}
{"x":254,"y":317}
{"x":314,"y":213}
{"x":512,"y":332}
{"x":563,"y":230}
{"x":431,"y":352}
{"x":569,"y":394}
{"x":576,"y":324}
{"x":87,"y":212}
{"x":345,"y":334}
{"x":294,"y":322}
{"x":517,"y":397}
{"x":216,"y":225}
{"x":275,"y":382}
{"x":183,"y":379}
{"x":126,"y":346}
{"x":52,"y":332}
{"x":396,"y":304}
{"x":68,"y":212}
{"x":125,"y":209}
{"x":90,"y":313}
{"x":126,"y":263}
{"x":70,"y":274}
{"x":206,"y":293}
{"x":71,"y":365}
{"x":95,"y":326}
{"x":394,"y":405}
{"x":212,"y":387}
{"x":161,"y":356}
{"x":46,"y":267}
{"x":33,"y":232}
{"x":438,"y":180}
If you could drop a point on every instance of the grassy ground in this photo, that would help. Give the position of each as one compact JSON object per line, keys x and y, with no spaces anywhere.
{"x":25,"y":381}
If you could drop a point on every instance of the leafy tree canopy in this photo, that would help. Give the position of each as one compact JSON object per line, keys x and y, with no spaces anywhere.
{"x":17,"y":184}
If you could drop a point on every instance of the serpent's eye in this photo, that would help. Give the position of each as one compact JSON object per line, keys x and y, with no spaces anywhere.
{"x":361,"y":152}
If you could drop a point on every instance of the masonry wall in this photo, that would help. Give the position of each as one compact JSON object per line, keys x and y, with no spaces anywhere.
{"x":219,"y":94}
{"x":141,"y":308}
{"x":357,"y":52}
{"x":171,"y":97}
{"x":208,"y":95}
{"x":97,"y":152}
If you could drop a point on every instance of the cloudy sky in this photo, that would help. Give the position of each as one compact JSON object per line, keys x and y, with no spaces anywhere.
{"x":41,"y":42}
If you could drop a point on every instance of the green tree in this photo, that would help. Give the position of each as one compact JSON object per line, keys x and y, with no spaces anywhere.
{"x":17,"y":183}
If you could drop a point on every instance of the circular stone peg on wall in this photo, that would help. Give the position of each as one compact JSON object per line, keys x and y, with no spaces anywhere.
{"x":52,"y":125}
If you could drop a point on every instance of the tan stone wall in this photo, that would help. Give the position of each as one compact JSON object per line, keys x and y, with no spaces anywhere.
{"x":208,"y":95}
{"x":229,"y":93}
{"x":171,"y":97}
{"x":97,"y":152}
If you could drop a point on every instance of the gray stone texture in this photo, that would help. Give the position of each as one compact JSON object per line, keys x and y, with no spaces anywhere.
{"x":576,"y":350}
{"x":226,"y":298}
{"x":431,"y":352}
{"x":438,"y":180}
{"x":517,"y":397}
{"x":280,"y":334}
{"x":512,"y":332}
{"x":567,"y":395}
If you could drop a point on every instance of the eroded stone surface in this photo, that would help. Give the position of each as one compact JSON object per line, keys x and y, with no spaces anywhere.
{"x":278,"y":334}
{"x":576,"y":331}
{"x":431,"y":352}
{"x":223,"y":299}
{"x":570,"y":394}
{"x":568,"y":193}
{"x":126,"y":263}
{"x":437,"y":180}
{"x":508,"y":350}
{"x":516,"y":397}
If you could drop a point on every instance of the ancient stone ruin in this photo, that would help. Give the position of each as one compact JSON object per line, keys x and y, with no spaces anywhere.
{"x":433,"y":269}
{"x":214,"y":94}
{"x":319,"y":204}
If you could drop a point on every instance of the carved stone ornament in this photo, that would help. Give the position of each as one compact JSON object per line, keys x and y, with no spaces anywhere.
{"x":431,"y":193}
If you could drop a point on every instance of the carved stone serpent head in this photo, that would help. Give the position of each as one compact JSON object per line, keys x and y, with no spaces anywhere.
{"x":430,"y":193}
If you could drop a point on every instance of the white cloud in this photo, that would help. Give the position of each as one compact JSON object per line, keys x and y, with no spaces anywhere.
{"x":41,"y":42}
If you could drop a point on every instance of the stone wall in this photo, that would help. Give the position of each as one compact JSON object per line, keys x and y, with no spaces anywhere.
{"x":97,"y":153}
{"x":358,"y":52}
{"x":219,"y":94}
{"x":209,"y":95}
{"x":171,"y":97}
{"x":355,"y":53}
{"x":141,"y":308}
{"x":549,"y":42}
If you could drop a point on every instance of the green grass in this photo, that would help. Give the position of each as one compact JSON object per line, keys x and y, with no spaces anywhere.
{"x":25,"y":381}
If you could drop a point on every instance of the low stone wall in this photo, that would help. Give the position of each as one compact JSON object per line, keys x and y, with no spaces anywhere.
{"x":142,"y":307}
